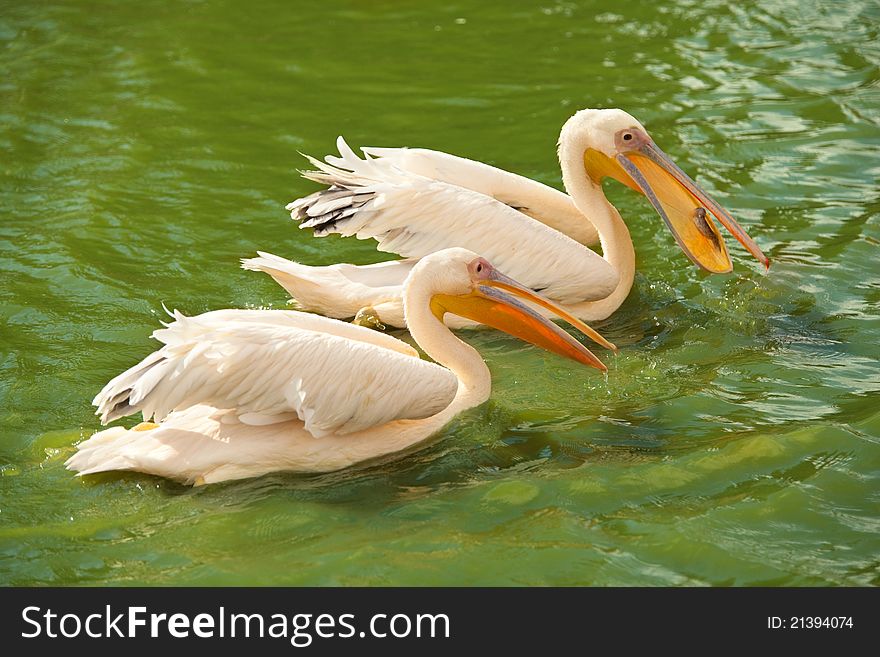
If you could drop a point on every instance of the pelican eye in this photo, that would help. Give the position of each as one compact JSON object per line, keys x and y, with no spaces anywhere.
{"x":627,"y":137}
{"x":479,"y":268}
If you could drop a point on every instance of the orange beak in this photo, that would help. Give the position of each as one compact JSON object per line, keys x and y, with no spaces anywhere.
{"x":685,"y":207}
{"x":489,"y":303}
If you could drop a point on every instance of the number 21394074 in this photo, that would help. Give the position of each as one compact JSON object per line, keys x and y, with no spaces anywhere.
{"x":810,"y":622}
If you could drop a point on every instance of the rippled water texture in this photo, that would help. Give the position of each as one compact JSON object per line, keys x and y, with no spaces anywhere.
{"x":146,"y":146}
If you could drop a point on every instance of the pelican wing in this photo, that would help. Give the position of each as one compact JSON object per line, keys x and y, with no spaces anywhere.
{"x":413,"y":215}
{"x":540,"y":202}
{"x":276,"y":365}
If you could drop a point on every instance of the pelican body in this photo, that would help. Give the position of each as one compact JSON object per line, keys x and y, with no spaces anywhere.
{"x":240,"y":393}
{"x":417,"y":201}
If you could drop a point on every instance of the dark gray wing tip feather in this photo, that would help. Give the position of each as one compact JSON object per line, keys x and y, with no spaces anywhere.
{"x":340,"y":202}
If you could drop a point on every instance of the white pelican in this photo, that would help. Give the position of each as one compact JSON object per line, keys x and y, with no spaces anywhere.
{"x":416,"y":201}
{"x":240,"y":393}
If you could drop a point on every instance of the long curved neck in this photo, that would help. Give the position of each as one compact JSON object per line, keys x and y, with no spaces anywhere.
{"x":617,"y":248}
{"x":474,"y":385}
{"x":474,"y":380}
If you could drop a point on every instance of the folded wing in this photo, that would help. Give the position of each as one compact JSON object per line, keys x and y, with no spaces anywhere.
{"x":275,"y":365}
{"x":540,"y":202}
{"x":413,"y":215}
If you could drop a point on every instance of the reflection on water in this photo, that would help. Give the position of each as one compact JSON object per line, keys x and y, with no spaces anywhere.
{"x":148,"y":146}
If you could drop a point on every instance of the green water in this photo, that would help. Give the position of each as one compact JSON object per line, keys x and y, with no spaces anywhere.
{"x":146,"y":146}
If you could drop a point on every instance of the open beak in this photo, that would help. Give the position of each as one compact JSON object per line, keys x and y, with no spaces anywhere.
{"x":685,"y":207}
{"x":489,"y":303}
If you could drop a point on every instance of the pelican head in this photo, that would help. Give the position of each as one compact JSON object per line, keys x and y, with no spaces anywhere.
{"x":467,"y":285}
{"x":617,"y":145}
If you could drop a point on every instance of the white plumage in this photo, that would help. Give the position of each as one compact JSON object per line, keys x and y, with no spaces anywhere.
{"x":416,"y":201}
{"x":239,"y":393}
{"x":536,"y":200}
{"x":413,"y":215}
{"x":276,"y":365}
{"x":340,"y":290}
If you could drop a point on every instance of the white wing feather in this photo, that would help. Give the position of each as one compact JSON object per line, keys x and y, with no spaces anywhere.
{"x":413,"y":215}
{"x":540,"y":202}
{"x":275,"y":365}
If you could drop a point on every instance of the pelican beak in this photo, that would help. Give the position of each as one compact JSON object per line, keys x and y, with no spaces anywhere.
{"x":492,"y":302}
{"x":685,"y":207}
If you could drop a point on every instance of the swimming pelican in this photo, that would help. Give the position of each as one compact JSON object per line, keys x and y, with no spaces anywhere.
{"x":240,"y":393}
{"x":417,"y":201}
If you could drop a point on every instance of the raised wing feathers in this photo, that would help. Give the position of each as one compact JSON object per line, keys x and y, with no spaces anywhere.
{"x":413,"y":215}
